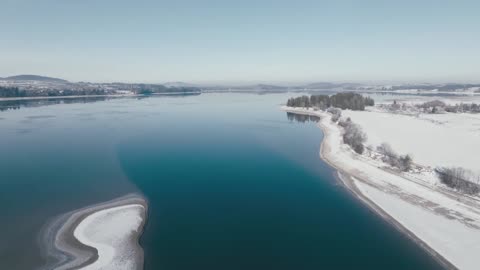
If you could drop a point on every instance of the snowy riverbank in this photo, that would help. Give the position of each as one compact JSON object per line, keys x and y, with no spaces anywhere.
{"x":102,"y":236}
{"x":443,"y":221}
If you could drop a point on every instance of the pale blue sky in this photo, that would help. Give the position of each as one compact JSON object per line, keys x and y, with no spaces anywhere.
{"x":241,"y":41}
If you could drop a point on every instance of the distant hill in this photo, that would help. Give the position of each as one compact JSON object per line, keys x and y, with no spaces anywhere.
{"x":178,"y":84}
{"x":264,"y":87}
{"x":440,"y":87}
{"x":270,"y":87}
{"x":329,"y":85}
{"x":34,"y":78}
{"x":320,"y":85}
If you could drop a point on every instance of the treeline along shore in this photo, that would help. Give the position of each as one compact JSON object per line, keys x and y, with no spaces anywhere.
{"x":345,"y":100}
{"x":87,"y":90}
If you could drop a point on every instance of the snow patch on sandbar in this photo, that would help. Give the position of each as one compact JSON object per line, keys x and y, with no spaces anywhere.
{"x":110,"y":232}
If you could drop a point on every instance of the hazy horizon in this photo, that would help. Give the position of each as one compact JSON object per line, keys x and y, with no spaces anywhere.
{"x":291,"y":83}
{"x":277,"y":42}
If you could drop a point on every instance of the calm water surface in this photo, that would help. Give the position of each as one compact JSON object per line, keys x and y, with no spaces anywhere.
{"x":232,"y":183}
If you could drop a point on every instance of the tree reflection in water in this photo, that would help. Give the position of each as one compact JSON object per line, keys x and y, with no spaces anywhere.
{"x":302,"y":118}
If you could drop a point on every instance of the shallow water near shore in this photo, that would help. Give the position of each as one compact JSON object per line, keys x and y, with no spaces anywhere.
{"x":232,"y":183}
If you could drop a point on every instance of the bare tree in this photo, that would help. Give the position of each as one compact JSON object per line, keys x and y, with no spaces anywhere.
{"x":460,"y":179}
{"x":390,"y":157}
{"x":336,"y":113}
{"x":353,"y":135}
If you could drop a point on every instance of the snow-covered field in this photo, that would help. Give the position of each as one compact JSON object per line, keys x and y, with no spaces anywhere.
{"x":109,"y":231}
{"x":446,"y":221}
{"x":450,"y":139}
{"x":417,"y":99}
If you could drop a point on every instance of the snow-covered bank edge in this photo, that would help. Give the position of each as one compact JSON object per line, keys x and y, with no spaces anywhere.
{"x":86,"y":238}
{"x":348,"y":181}
{"x":348,"y":176}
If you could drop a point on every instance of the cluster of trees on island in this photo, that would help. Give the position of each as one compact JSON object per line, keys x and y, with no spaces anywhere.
{"x":346,"y":100}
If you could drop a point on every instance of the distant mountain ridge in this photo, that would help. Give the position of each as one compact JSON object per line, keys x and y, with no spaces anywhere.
{"x":28,"y":77}
{"x":57,"y":84}
{"x":178,"y":84}
{"x":330,"y":85}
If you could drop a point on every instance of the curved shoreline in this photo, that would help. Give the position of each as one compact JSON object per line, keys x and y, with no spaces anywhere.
{"x":63,"y":250}
{"x":346,"y":179}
